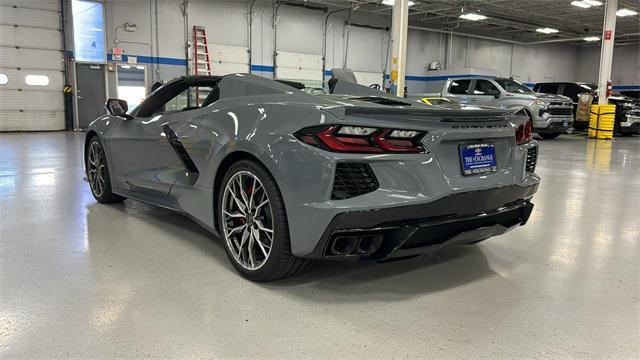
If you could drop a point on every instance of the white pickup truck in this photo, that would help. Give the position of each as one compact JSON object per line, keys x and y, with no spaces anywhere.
{"x":551,"y":115}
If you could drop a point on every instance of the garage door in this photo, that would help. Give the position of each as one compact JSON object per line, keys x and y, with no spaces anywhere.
{"x":31,"y":66}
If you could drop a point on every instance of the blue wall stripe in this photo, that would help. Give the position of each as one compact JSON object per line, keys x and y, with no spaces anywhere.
{"x":626,"y":87}
{"x":268,"y":68}
{"x":262,"y":68}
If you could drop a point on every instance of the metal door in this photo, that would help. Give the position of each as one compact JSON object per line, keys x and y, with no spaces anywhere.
{"x":91,"y":92}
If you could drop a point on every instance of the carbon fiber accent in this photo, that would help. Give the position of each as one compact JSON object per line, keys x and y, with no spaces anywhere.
{"x":353,"y":179}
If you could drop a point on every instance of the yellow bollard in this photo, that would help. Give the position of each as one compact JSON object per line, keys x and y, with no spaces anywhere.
{"x":601,"y":121}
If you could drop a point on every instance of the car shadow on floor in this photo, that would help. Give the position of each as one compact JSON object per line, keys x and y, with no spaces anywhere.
{"x":333,"y":281}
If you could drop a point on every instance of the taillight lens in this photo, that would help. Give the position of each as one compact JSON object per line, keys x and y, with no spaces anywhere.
{"x":524,"y":133}
{"x":360,"y":139}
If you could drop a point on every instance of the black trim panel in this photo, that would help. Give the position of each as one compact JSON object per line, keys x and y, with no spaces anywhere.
{"x":453,"y":209}
{"x":182,"y":154}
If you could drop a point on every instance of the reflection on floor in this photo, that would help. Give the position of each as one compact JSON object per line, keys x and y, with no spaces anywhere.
{"x":86,"y":280}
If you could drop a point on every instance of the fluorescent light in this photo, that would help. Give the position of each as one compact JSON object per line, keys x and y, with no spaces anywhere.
{"x":591,"y":38}
{"x":472,"y":16}
{"x":392,"y":2}
{"x":626,"y":12}
{"x":547,"y":30}
{"x":592,"y":2}
{"x":581,"y":4}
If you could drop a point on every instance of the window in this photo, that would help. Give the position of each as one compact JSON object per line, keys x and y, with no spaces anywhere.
{"x":572,"y":91}
{"x":513,"y":86}
{"x":547,"y":88}
{"x":178,"y":96}
{"x":88,"y":31}
{"x":37,"y":80}
{"x":459,"y":87}
{"x":485,"y":87}
{"x":4,"y":79}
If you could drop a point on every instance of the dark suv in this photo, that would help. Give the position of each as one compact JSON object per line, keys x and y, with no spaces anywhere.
{"x":627,"y":108}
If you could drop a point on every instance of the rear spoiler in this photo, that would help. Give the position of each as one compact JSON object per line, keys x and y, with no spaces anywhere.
{"x":444,"y":115}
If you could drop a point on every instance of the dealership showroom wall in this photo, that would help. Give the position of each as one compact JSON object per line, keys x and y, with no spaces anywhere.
{"x":319,"y":179}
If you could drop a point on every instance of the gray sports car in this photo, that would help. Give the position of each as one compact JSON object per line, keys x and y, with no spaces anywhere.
{"x":284,"y":176}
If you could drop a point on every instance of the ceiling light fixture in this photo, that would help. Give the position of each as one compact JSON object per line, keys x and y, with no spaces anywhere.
{"x":581,"y":4}
{"x":626,"y":12}
{"x":473,"y":16}
{"x":547,"y":30}
{"x":392,"y":2}
{"x":592,"y":2}
{"x":591,"y":38}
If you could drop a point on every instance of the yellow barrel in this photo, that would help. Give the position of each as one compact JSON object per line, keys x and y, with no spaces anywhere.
{"x":601,"y":121}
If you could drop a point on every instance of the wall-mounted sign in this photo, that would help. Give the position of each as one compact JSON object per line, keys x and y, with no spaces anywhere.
{"x":116,"y":54}
{"x":132,"y":59}
{"x":607,"y":34}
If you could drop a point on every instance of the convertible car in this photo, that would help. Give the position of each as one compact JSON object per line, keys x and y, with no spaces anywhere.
{"x":285,"y":177}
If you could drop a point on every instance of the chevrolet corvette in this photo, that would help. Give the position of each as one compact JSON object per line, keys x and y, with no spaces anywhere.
{"x":285,"y":176}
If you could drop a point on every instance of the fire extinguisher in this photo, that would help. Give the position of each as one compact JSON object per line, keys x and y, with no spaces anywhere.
{"x":609,"y":88}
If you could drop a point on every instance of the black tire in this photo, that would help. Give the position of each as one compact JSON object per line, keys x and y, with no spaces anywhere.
{"x":549,"y":136}
{"x":280,"y":263}
{"x":103,"y":193}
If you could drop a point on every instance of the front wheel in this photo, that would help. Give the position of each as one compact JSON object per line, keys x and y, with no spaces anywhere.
{"x":253,"y":224}
{"x":98,"y":173}
{"x":549,"y":136}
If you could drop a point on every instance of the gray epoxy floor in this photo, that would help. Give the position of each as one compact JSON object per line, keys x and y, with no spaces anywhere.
{"x":83,"y":280}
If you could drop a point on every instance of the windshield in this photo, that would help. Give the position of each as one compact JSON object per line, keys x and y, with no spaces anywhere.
{"x":589,"y":87}
{"x":513,"y":86}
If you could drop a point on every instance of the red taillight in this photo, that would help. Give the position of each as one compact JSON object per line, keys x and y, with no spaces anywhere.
{"x":524,"y":133}
{"x":357,"y":139}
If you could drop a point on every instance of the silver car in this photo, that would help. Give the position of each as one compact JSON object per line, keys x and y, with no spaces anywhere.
{"x":550,"y":114}
{"x":285,"y":177}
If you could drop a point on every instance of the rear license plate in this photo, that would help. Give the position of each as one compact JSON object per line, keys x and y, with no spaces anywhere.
{"x":478,"y":158}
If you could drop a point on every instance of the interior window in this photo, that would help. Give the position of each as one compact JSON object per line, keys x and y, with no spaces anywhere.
{"x":459,"y":87}
{"x":485,"y":87}
{"x":37,"y":80}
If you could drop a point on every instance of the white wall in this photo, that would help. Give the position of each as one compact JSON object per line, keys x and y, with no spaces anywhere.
{"x":300,"y":30}
{"x":625,"y":69}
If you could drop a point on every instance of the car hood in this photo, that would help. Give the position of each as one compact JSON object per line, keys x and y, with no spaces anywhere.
{"x":552,"y":97}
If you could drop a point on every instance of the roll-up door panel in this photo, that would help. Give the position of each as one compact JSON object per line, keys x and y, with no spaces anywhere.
{"x":301,"y":66}
{"x":34,"y":4}
{"x":29,"y":17}
{"x":30,"y":37}
{"x":31,"y":120}
{"x":17,"y":79}
{"x":31,"y":59}
{"x":226,"y":59}
{"x":15,"y":100}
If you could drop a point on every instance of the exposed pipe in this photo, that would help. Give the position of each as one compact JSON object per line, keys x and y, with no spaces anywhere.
{"x":157,"y":43}
{"x":324,"y":38}
{"x":250,"y":21}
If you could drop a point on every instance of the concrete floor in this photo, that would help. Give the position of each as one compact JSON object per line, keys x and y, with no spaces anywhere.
{"x":84,"y":280}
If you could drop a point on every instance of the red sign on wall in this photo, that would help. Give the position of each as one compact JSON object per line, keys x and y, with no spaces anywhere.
{"x":607,"y":34}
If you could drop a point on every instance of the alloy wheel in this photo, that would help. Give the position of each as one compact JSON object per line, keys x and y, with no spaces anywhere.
{"x":247,"y":220}
{"x":96,"y":169}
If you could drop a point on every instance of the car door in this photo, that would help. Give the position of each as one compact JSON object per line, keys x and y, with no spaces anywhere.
{"x":459,"y":90}
{"x":144,"y":148}
{"x":483,"y":92}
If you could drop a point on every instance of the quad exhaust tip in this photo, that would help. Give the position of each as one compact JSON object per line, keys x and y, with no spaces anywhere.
{"x":343,"y":245}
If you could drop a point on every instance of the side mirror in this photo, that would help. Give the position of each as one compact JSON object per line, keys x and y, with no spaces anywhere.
{"x":496,"y":94}
{"x":118,"y":107}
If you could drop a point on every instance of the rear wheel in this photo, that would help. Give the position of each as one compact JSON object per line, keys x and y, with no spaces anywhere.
{"x":253,"y":224}
{"x":549,"y":136}
{"x":98,"y":173}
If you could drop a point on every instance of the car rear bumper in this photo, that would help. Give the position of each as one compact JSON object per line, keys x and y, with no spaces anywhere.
{"x":408,"y":230}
